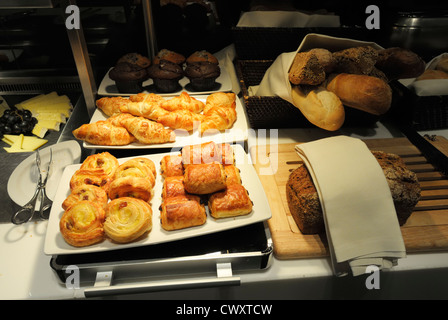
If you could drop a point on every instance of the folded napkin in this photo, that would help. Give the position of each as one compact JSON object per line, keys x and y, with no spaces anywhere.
{"x":287,"y":19}
{"x":432,"y":87}
{"x":360,"y":219}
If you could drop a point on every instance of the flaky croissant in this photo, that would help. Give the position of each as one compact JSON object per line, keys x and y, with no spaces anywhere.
{"x":218,"y":118}
{"x":103,"y":133}
{"x":151,"y":111}
{"x":220,"y":99}
{"x":181,"y":119}
{"x":183,"y":102}
{"x":147,"y":131}
{"x":111,"y":105}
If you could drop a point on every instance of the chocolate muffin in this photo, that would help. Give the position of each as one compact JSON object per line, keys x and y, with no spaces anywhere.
{"x":135,"y":58}
{"x":170,"y":56}
{"x":202,"y":75}
{"x":166,"y":76}
{"x":202,"y":56}
{"x":128,"y":77}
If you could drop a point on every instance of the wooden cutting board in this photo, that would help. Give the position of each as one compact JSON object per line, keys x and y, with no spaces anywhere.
{"x":425,"y":230}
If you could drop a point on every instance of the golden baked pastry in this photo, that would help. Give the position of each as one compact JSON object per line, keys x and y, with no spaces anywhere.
{"x":204,"y":178}
{"x":111,"y":105}
{"x":226,"y":154}
{"x":218,"y":118}
{"x":103,"y":160}
{"x":233,"y":201}
{"x":103,"y":133}
{"x":147,"y":131}
{"x":220,"y":99}
{"x":135,"y":187}
{"x":206,"y":152}
{"x":182,"y":212}
{"x":172,"y":187}
{"x":148,"y":108}
{"x":82,"y":224}
{"x":97,"y":177}
{"x":137,"y":167}
{"x":171,"y":165}
{"x":181,"y":119}
{"x":232,"y":174}
{"x":183,"y":102}
{"x":127,"y":219}
{"x":86,"y":192}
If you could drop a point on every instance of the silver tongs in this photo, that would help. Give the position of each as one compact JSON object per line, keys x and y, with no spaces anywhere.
{"x":26,"y":213}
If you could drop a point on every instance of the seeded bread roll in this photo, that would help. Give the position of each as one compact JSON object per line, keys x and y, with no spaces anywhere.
{"x":306,"y":69}
{"x":303,"y":199}
{"x":356,"y":60}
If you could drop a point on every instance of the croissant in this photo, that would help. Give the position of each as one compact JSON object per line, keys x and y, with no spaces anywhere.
{"x":111,"y":105}
{"x":82,"y":224}
{"x":183,"y":102}
{"x":181,"y":119}
{"x":149,"y":110}
{"x":150,"y":98}
{"x":147,"y":131}
{"x":219,"y":118}
{"x":103,"y":133}
{"x":220,"y":99}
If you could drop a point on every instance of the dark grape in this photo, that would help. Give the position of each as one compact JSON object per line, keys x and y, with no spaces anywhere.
{"x":17,"y":121}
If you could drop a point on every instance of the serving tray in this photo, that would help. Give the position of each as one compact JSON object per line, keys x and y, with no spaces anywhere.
{"x":425,"y":230}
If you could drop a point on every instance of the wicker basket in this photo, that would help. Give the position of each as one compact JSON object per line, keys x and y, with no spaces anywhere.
{"x":274,"y":112}
{"x":430,"y":113}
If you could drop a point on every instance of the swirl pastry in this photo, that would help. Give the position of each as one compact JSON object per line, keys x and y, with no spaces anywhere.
{"x":182,"y":212}
{"x":127,"y":219}
{"x":171,"y":165}
{"x":86,"y":192}
{"x":135,"y":187}
{"x":82,"y":224}
{"x":233,"y":201}
{"x":204,"y":178}
{"x":97,"y":177}
{"x":103,"y":160}
{"x":137,"y":167}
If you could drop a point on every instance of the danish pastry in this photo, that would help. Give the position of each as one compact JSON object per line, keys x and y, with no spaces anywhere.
{"x":103,"y":160}
{"x":82,"y":224}
{"x":182,"y":212}
{"x":97,"y":177}
{"x":171,"y":165}
{"x":86,"y":192}
{"x":204,"y":178}
{"x":231,"y":202}
{"x":137,"y":167}
{"x":127,"y":219}
{"x":134,"y":187}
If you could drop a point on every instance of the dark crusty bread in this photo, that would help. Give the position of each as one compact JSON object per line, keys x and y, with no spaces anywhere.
{"x":306,"y":69}
{"x":356,"y":60}
{"x":399,"y":63}
{"x":305,"y":208}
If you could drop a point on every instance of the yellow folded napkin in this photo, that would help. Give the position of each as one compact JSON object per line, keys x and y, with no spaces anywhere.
{"x":360,"y":219}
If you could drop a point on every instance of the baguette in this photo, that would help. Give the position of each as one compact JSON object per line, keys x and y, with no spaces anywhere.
{"x":320,"y":106}
{"x":366,"y":93}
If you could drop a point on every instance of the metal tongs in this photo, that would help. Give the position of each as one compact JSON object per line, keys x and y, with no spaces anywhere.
{"x":26,"y":213}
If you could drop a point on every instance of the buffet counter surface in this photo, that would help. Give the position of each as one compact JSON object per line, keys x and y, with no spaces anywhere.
{"x":25,"y":271}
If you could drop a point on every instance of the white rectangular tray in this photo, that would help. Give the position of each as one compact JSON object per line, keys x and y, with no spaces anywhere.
{"x":56,"y":245}
{"x":238,"y":132}
{"x":223,"y":84}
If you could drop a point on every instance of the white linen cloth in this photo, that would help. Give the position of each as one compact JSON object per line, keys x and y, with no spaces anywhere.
{"x":360,"y":219}
{"x":430,"y":87}
{"x":287,"y":19}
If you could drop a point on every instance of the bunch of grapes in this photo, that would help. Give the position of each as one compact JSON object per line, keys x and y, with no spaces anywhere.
{"x":15,"y":121}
